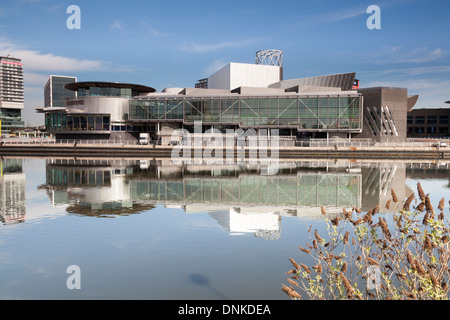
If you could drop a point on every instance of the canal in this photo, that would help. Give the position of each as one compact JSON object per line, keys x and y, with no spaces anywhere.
{"x":157,"y":229}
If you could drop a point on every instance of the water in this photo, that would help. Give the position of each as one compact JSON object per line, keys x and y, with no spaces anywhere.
{"x":148,"y":229}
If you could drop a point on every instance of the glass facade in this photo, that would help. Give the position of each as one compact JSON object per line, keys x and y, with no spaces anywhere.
{"x":11,"y":119}
{"x":106,"y":92}
{"x":61,"y":122}
{"x":308,"y":113}
{"x":301,"y":190}
{"x":59,"y":93}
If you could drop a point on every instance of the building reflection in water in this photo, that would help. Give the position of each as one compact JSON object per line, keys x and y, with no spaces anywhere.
{"x":241,"y":197}
{"x":12,"y":191}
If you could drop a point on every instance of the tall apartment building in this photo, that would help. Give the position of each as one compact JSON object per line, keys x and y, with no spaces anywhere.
{"x":55,"y":94}
{"x":11,"y":93}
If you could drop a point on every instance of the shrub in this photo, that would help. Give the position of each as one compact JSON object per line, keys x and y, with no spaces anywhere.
{"x":363,"y":257}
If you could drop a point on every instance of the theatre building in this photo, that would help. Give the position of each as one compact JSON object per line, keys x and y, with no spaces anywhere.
{"x":239,"y":96}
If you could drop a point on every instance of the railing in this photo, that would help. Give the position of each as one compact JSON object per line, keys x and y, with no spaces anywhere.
{"x":251,"y":141}
{"x":333,"y":143}
{"x":68,"y":141}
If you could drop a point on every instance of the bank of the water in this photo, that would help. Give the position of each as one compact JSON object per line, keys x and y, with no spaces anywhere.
{"x":120,"y":150}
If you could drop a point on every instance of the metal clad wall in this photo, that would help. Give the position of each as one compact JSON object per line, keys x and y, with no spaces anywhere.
{"x":384,"y":108}
{"x":344,"y":81}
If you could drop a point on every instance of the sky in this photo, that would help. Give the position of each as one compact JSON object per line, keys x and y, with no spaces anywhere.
{"x":175,"y":43}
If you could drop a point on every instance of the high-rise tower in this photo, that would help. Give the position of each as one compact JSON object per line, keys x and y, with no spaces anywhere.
{"x":11,"y":93}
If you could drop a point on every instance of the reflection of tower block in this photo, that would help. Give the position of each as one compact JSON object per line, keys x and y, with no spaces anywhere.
{"x":12,"y":198}
{"x":271,"y":57}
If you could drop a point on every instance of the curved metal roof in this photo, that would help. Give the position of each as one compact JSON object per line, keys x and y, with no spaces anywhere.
{"x":100,"y":84}
{"x":412,"y":101}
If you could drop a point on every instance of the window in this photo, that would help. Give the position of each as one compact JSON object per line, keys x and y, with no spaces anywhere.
{"x":90,"y":123}
{"x":420,"y":119}
{"x":431,"y":130}
{"x":410,"y":120}
{"x":105,"y":123}
{"x":443,"y":119}
{"x":432,"y":119}
{"x":98,"y":123}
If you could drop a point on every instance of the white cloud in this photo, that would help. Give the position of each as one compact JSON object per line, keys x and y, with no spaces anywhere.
{"x":199,"y":48}
{"x":116,"y":25}
{"x":216,"y":65}
{"x":37,"y":68}
{"x":34,"y":79}
{"x":37,"y":61}
{"x":309,"y":19}
{"x":408,"y":72}
{"x":396,"y":54}
{"x":152,"y":30}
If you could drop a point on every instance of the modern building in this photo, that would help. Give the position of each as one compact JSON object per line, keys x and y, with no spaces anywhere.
{"x":99,"y":111}
{"x":238,"y":96}
{"x":429,"y":122}
{"x":55,"y":94}
{"x":319,"y":114}
{"x":11,"y":94}
{"x":202,"y":83}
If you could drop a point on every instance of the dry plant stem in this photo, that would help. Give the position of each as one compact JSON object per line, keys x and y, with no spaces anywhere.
{"x":412,"y":256}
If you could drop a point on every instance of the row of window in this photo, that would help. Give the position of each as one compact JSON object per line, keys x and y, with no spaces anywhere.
{"x":430,"y":130}
{"x":428,"y":119}
{"x":106,"y":92}
{"x":63,"y":122}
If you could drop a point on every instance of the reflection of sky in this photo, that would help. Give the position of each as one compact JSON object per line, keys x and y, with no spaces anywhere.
{"x":437,"y":188}
{"x":162,"y":253}
{"x":37,"y":200}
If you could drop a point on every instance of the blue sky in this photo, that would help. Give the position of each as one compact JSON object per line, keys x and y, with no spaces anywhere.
{"x":166,"y":43}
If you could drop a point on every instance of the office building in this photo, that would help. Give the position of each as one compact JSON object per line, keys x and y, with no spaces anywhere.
{"x":11,"y":93}
{"x":429,"y":122}
{"x":55,"y":94}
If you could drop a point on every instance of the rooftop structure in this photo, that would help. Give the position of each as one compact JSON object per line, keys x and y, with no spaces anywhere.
{"x":235,"y":75}
{"x":108,"y":89}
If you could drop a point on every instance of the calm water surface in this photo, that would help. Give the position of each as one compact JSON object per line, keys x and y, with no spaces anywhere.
{"x":148,"y":229}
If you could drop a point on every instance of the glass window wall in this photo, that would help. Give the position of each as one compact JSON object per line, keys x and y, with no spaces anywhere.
{"x":304,"y":113}
{"x":56,"y":122}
